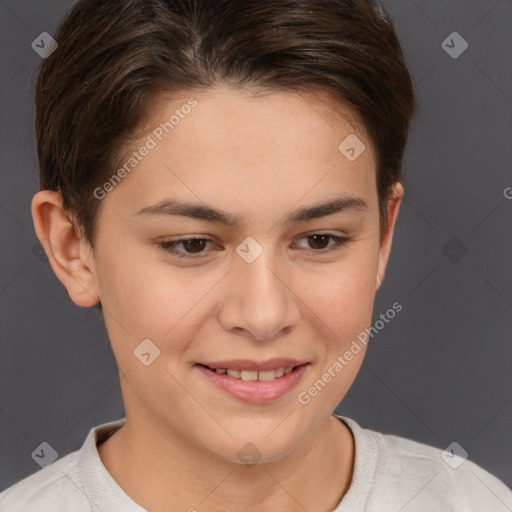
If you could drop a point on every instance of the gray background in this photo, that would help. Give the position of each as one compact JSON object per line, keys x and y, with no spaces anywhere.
{"x":438,"y":372}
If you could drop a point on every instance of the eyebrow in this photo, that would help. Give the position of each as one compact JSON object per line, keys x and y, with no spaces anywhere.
{"x":207,"y":213}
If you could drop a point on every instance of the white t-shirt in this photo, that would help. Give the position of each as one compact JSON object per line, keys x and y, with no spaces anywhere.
{"x":391,"y":474}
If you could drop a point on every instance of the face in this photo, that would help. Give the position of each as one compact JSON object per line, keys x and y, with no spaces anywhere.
{"x":273,"y":284}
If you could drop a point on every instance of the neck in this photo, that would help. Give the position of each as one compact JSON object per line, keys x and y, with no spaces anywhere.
{"x":171,"y":474}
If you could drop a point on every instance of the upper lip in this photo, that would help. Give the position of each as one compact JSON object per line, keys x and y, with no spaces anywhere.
{"x":248,"y":364}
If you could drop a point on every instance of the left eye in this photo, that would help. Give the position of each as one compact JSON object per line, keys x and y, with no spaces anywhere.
{"x":197,"y":244}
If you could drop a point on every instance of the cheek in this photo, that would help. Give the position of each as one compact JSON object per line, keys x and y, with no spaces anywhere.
{"x":342,"y":309}
{"x":341,"y":306}
{"x":151,"y":301}
{"x":343,"y":300}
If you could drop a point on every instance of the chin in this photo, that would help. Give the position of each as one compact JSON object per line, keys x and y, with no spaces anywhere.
{"x":256,"y":451}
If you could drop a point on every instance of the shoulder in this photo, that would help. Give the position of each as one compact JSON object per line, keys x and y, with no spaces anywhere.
{"x":428,"y":475}
{"x":56,"y":485}
{"x":397,"y":473}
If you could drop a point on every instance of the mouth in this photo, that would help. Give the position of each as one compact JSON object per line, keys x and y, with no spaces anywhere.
{"x":253,"y":375}
{"x":252,"y":386}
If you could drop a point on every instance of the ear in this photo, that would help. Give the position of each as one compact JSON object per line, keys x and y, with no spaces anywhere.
{"x":385,"y":247}
{"x":70,"y":257}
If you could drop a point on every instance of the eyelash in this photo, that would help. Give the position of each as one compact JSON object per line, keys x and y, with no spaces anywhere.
{"x":169,"y":246}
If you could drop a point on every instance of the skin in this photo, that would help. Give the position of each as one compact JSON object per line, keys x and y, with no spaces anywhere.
{"x":258,"y":158}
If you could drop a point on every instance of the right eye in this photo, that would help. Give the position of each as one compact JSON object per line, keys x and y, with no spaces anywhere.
{"x":193,"y":243}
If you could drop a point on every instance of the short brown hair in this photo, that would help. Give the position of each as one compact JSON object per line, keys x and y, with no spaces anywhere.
{"x":114,"y":57}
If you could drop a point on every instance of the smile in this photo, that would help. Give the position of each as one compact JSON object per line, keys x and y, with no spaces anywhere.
{"x":253,"y":386}
{"x":249,"y":375}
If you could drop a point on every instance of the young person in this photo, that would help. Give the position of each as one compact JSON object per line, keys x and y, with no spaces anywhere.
{"x":223,"y":179}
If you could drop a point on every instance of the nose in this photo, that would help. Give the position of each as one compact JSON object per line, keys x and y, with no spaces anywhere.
{"x":260,"y":300}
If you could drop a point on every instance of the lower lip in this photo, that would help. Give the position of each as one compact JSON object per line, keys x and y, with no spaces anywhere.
{"x":255,"y":391}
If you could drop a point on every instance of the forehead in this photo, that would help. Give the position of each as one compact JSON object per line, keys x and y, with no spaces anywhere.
{"x":235,"y":146}
{"x":316,"y":107}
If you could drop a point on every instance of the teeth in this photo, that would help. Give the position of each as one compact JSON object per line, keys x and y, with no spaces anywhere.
{"x":249,"y":375}
{"x":266,"y":375}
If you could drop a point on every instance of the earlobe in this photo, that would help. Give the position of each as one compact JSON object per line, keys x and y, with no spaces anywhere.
{"x":62,"y":244}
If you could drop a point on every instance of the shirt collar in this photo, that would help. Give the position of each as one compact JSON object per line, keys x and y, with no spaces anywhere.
{"x":365,"y":465}
{"x":99,"y":485}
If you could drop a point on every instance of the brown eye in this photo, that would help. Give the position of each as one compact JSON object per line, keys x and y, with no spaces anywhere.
{"x":195,"y":244}
{"x":192,"y":246}
{"x":319,"y":240}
